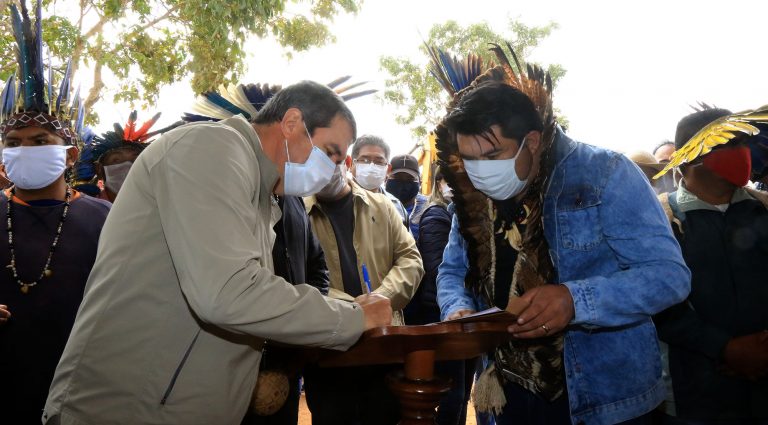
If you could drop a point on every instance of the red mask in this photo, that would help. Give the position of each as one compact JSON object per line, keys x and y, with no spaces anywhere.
{"x":732,"y":164}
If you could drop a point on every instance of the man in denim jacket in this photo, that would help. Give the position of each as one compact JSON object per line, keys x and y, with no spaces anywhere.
{"x":615,"y":260}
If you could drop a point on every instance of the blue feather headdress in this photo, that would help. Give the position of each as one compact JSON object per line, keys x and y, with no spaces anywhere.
{"x":29,"y":99}
{"x":247,"y":100}
{"x":85,"y":171}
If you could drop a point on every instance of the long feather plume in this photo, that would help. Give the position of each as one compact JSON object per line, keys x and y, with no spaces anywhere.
{"x":140,"y":134}
{"x":64,"y":87}
{"x":130,"y":126}
{"x":8,"y":98}
{"x":248,"y":99}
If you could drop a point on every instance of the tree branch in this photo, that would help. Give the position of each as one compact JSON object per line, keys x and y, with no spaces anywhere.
{"x":153,"y":22}
{"x":98,"y":84}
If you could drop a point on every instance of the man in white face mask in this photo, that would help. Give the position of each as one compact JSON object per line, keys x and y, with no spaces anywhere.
{"x":50,"y":230}
{"x":187,"y":276}
{"x":358,"y":228}
{"x":370,"y":167}
{"x":568,"y":236}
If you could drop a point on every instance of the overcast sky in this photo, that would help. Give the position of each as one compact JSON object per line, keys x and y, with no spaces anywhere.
{"x":633,"y":67}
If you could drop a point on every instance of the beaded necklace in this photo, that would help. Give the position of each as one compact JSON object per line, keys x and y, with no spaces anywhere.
{"x":24,"y":286}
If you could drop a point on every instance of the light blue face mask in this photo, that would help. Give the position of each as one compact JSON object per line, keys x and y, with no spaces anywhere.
{"x":308,"y":178}
{"x":496,"y":178}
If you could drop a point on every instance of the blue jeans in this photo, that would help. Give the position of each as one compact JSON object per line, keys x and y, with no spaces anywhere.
{"x":526,"y":408}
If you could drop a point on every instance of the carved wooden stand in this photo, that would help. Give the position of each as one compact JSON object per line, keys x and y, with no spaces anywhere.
{"x":418,"y":347}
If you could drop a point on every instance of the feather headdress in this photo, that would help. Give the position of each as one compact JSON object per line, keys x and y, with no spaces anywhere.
{"x":95,"y":146}
{"x":248,"y":99}
{"x":746,"y":125}
{"x":473,"y":208}
{"x":128,"y":135}
{"x":84,"y":177}
{"x":29,"y":99}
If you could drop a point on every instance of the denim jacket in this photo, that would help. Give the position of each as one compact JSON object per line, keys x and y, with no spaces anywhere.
{"x":611,"y":245}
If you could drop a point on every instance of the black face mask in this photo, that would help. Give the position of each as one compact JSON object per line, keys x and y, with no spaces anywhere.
{"x":403,"y":190}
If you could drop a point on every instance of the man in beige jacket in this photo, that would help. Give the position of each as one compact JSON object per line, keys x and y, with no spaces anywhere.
{"x":183,"y":294}
{"x":358,"y":228}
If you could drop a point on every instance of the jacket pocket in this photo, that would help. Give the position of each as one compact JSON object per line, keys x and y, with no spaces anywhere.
{"x":578,"y":219}
{"x":176,"y":373}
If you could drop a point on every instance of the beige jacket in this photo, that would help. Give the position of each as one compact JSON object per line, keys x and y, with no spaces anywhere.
{"x":381,"y":242}
{"x":183,"y":292}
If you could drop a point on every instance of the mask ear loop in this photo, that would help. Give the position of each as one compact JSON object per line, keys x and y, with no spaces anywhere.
{"x":287,"y":154}
{"x":308,"y":136}
{"x":522,"y":145}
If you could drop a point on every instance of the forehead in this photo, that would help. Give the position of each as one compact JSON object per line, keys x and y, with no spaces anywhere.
{"x":118,"y":156}
{"x":482,"y":144}
{"x":372,"y":151}
{"x":666,"y":149}
{"x":339,"y":133}
{"x":28,"y":132}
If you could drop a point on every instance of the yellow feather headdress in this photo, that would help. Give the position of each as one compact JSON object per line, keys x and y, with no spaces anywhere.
{"x":716,"y":133}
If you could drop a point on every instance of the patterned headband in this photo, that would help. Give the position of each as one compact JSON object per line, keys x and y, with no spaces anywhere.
{"x":38,"y":119}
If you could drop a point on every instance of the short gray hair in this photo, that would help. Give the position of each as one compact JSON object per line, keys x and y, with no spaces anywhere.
{"x":369,"y":140}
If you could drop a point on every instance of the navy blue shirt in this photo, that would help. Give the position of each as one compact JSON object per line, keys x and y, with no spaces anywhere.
{"x":32,"y":340}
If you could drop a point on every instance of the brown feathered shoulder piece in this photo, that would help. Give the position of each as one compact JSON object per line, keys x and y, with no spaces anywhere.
{"x":474,"y":210}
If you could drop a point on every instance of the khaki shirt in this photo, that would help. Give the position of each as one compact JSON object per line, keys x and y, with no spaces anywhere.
{"x":381,"y":242}
{"x":182,"y":294}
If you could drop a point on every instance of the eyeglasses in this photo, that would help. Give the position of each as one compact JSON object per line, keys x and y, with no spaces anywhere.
{"x":366,"y":161}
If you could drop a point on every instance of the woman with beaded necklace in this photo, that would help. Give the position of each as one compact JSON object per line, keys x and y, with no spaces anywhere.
{"x":51,"y":230}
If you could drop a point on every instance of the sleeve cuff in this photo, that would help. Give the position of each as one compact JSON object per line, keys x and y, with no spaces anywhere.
{"x":350,"y":325}
{"x":583,"y":302}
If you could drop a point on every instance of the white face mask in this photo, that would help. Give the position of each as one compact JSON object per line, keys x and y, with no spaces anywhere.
{"x":446,"y":190}
{"x":35,"y":167}
{"x":308,"y":178}
{"x":496,"y":178}
{"x":116,"y":174}
{"x":336,"y":185}
{"x":370,"y":176}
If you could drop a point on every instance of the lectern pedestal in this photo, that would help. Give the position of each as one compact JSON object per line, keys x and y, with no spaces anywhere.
{"x":418,"y":347}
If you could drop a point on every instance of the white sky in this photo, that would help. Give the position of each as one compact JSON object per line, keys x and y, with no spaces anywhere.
{"x":633,"y":67}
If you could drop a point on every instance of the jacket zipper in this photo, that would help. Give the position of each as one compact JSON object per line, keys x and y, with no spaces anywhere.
{"x":178,"y":370}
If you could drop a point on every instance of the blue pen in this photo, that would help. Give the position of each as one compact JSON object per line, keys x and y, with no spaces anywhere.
{"x":367,"y":279}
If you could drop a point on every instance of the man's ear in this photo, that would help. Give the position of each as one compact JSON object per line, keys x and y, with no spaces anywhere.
{"x":389,"y":168}
{"x":72,"y":154}
{"x":348,"y":161}
{"x":293,"y":121}
{"x":533,"y":141}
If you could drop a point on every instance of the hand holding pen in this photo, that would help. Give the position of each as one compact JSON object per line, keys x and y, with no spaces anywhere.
{"x":377,"y":308}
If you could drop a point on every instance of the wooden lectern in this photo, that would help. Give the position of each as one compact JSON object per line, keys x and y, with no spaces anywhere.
{"x":418,"y":347}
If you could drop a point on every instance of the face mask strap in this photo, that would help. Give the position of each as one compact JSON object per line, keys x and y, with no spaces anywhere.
{"x":522,"y":145}
{"x":287,"y":154}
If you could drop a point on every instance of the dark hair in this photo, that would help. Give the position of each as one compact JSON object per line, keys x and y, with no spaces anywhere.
{"x":494,"y":103}
{"x":318,"y":104}
{"x":130,"y":147}
{"x":369,"y":140}
{"x":661,"y":145}
{"x":691,"y":124}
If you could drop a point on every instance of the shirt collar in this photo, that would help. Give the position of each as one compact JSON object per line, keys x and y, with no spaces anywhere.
{"x":267,"y":168}
{"x":687,"y":201}
{"x":357,"y":192}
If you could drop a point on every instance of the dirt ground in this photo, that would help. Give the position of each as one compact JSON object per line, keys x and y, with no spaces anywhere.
{"x":305,"y":418}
